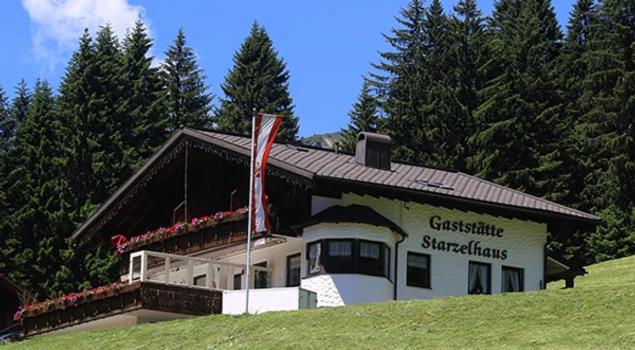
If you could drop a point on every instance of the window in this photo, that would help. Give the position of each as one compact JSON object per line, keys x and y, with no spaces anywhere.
{"x":373,"y":258}
{"x":261,"y":278}
{"x":293,"y":270}
{"x":349,"y":256}
{"x":200,"y":280}
{"x":313,"y":255}
{"x":512,"y":280}
{"x":386,"y":261}
{"x":418,"y":270}
{"x":339,"y":253}
{"x":479,"y":278}
{"x":238,"y":278}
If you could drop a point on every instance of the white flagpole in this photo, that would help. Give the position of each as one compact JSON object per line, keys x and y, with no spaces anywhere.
{"x":251,"y":209}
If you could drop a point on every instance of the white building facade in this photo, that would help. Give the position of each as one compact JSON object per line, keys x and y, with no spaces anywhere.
{"x":442,"y":246}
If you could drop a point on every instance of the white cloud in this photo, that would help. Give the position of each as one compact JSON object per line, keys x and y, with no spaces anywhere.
{"x":56,"y":25}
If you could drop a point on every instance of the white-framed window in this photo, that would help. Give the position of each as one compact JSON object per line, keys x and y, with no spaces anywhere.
{"x":418,"y":270}
{"x":512,"y":279}
{"x":479,"y":280}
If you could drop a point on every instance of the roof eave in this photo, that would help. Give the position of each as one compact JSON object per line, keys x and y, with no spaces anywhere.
{"x":591,"y":220}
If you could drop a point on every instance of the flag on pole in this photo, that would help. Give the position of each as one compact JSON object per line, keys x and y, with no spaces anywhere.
{"x":265,"y":129}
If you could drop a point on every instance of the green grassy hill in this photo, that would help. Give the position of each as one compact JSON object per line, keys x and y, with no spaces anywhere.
{"x":598,"y":313}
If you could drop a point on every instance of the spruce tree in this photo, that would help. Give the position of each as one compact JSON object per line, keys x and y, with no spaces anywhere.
{"x":9,"y":159}
{"x":606,"y":126}
{"x":144,"y":99}
{"x":444,"y":126}
{"x":19,"y":105}
{"x":258,"y":81}
{"x":187,"y":98}
{"x":363,"y":117}
{"x":399,"y":80}
{"x":571,"y":73}
{"x":515,"y":140}
{"x":91,"y":135}
{"x":6,"y":132}
{"x":470,"y":57}
{"x":40,"y":221}
{"x":112,"y":158}
{"x":569,"y":178}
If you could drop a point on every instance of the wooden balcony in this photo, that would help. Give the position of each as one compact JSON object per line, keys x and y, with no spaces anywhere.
{"x":216,"y":237}
{"x":156,"y":297}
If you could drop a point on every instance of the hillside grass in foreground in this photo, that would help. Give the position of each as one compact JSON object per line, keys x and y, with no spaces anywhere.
{"x":598,"y":313}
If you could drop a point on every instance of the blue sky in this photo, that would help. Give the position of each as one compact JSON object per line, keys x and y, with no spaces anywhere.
{"x":328,"y":45}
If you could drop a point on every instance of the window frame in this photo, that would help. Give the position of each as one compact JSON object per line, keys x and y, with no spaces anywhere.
{"x":522,"y":277}
{"x":289,"y":257}
{"x":428,"y":277}
{"x":489,"y":276}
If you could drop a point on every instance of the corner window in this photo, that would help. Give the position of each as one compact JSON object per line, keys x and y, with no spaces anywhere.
{"x":418,"y":270}
{"x":373,"y":257}
{"x":293,"y":270}
{"x":313,"y":255}
{"x":512,"y":280}
{"x":349,"y":256}
{"x":479,"y":278}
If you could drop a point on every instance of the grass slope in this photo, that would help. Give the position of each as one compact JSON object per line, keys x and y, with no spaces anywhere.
{"x":598,"y":313}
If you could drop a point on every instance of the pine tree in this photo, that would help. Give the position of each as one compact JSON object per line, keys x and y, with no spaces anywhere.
{"x":400,"y":83}
{"x":258,"y":81}
{"x":39,"y":223}
{"x":188,"y":102}
{"x":363,"y":117}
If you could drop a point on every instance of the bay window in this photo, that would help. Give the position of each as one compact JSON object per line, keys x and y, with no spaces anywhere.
{"x":348,"y":256}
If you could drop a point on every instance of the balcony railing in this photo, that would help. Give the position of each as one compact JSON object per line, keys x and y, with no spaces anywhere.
{"x":149,"y":266}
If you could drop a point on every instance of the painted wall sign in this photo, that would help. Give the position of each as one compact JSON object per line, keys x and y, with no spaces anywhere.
{"x":477,"y":228}
{"x":474,"y":247}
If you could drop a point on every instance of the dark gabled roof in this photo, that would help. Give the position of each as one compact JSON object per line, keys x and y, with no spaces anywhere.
{"x":313,"y":163}
{"x":358,"y":214}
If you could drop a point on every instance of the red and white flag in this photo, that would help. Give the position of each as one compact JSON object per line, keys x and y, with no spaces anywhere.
{"x":265,"y":129}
